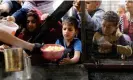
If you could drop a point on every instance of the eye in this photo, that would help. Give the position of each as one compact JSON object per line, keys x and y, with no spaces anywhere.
{"x":33,"y":21}
{"x":87,"y":2}
{"x":28,"y":21}
{"x":64,"y":28}
{"x":70,"y":29}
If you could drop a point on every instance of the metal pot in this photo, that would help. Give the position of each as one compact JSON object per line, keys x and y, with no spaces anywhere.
{"x":13,"y":59}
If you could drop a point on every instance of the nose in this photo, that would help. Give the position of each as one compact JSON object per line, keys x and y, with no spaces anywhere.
{"x":30,"y":23}
{"x":66,"y":31}
{"x":126,"y":3}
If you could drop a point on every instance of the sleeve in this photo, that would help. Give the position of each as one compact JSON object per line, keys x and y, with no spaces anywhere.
{"x":124,"y":47}
{"x":57,"y":41}
{"x":20,"y":15}
{"x":126,"y":50}
{"x":78,"y":46}
{"x":95,"y":21}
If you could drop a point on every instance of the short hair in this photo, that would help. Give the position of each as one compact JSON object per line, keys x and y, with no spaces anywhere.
{"x":72,"y":21}
{"x":111,"y":16}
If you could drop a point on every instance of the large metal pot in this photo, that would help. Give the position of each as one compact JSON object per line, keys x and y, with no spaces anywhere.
{"x":13,"y":59}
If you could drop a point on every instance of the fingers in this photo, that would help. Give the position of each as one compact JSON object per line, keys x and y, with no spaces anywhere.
{"x":68,"y":55}
{"x":10,"y":18}
{"x":65,"y":61}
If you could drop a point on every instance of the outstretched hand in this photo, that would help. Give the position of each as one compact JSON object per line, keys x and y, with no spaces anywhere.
{"x":66,"y":60}
{"x":37,"y":48}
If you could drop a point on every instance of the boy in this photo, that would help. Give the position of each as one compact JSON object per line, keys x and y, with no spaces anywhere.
{"x":109,"y":41}
{"x":72,"y":45}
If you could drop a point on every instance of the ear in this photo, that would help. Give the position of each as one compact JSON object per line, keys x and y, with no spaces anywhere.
{"x":97,"y":4}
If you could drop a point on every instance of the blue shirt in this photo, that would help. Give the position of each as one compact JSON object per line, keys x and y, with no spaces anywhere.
{"x":77,"y":46}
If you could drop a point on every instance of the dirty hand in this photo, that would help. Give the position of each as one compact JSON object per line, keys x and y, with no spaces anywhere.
{"x":10,"y":18}
{"x":76,"y":3}
{"x":65,"y":60}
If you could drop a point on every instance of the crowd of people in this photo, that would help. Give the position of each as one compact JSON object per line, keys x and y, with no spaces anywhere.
{"x":112,"y":38}
{"x":112,"y":28}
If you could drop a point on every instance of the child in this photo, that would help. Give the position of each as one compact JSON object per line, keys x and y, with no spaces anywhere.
{"x":32,"y":26}
{"x":127,"y":22}
{"x":109,"y":40}
{"x":72,"y":45}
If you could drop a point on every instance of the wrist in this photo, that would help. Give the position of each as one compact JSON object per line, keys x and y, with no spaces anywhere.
{"x":114,"y":48}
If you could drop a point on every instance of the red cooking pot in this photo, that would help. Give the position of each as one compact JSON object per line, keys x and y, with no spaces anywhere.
{"x":52,"y":51}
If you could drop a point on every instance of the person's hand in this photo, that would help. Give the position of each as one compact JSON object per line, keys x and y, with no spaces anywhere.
{"x":37,"y":48}
{"x":104,"y":51}
{"x":65,"y":60}
{"x":44,"y":16}
{"x":105,"y":47}
{"x":2,"y":47}
{"x":10,"y":18}
{"x":76,"y":4}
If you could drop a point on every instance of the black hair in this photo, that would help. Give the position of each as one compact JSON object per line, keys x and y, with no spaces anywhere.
{"x":111,"y":16}
{"x":72,"y":21}
{"x":34,"y":14}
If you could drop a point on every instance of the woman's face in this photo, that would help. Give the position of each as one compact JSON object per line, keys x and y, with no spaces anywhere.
{"x":31,"y":23}
{"x":68,"y":32}
{"x":129,"y":6}
{"x":108,"y":28}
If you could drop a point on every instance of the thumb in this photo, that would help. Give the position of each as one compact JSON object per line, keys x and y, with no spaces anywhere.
{"x":68,"y":55}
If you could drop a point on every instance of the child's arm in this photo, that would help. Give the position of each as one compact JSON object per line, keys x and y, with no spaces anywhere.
{"x":69,"y":60}
{"x":76,"y":57}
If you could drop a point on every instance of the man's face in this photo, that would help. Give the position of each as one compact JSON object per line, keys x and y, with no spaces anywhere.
{"x":31,"y":23}
{"x":91,"y":5}
{"x":108,"y":28}
{"x":129,"y":5}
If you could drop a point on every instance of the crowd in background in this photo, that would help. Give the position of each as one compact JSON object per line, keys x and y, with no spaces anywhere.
{"x":113,"y":29}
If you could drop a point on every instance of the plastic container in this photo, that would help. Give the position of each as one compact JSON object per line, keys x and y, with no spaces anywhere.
{"x":8,"y":26}
{"x":52,"y":51}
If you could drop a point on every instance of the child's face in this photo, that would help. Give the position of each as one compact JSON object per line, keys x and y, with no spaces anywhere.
{"x":31,"y":23}
{"x":108,"y":28}
{"x":91,"y":5}
{"x":121,"y":11}
{"x":129,"y":5}
{"x":68,"y":32}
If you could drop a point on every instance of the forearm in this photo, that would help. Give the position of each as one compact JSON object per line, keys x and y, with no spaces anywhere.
{"x":76,"y":57}
{"x":14,"y":41}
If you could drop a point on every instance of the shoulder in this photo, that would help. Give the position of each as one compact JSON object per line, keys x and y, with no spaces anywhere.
{"x":124,"y":40}
{"x":99,"y":12}
{"x":76,"y":41}
{"x":59,"y":41}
